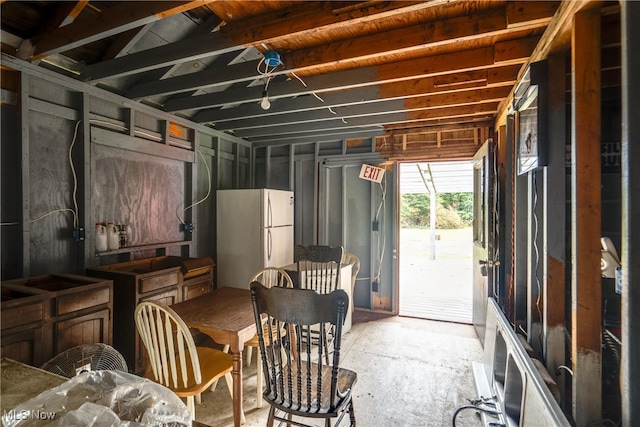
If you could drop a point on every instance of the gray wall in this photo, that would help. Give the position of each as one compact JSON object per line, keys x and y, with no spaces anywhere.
{"x":129,"y":165}
{"x":335,"y":207}
{"x":130,"y":169}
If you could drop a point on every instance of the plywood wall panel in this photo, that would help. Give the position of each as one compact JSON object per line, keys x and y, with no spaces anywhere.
{"x":52,"y":248}
{"x":140,"y":190}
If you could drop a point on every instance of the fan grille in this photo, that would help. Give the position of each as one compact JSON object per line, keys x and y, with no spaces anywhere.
{"x":85,"y":357}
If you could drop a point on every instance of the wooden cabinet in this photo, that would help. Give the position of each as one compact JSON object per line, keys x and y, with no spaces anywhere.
{"x":46,"y":315}
{"x":168,"y":279}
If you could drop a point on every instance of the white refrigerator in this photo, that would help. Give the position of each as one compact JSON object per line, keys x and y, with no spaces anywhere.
{"x":254,"y":230}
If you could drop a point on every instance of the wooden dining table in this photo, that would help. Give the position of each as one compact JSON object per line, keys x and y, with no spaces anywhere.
{"x":226,"y":315}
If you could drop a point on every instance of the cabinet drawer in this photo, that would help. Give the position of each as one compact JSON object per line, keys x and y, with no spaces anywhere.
{"x":81,"y":300}
{"x":148,"y":284}
{"x":22,"y":314}
{"x":196,"y":289}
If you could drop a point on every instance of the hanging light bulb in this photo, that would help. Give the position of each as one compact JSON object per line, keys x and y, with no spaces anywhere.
{"x":265,"y":104}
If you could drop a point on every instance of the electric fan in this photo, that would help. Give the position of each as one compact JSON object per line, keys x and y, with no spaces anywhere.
{"x":86,"y":357}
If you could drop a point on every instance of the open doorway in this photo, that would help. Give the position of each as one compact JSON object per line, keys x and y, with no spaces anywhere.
{"x":436,"y":241}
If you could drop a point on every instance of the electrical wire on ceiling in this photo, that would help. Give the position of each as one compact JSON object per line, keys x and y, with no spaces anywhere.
{"x":318,"y":97}
{"x":271,"y":61}
{"x":267,"y":65}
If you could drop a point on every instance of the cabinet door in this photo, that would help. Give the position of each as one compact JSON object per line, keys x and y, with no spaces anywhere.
{"x":87,"y":329}
{"x":24,"y":346}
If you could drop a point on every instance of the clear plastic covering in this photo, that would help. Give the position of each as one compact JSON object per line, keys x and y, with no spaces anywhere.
{"x":100,"y":399}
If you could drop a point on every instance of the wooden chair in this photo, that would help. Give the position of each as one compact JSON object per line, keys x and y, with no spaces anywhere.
{"x":351,"y":259}
{"x":319,"y":270}
{"x":295,"y":385}
{"x":319,"y":267}
{"x":174,"y":360}
{"x":268,"y":277}
{"x":319,"y":253}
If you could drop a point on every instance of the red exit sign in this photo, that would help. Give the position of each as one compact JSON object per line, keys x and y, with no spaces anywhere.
{"x":371,"y":173}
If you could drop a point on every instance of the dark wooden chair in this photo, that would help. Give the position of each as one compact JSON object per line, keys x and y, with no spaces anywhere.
{"x":319,"y":270}
{"x":318,"y":267}
{"x":298,"y":383}
{"x":318,"y":253}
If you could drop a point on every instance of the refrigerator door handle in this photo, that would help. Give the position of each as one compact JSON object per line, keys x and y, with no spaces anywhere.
{"x":269,"y":244}
{"x":269,"y":211}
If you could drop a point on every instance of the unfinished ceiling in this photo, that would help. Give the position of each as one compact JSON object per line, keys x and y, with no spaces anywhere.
{"x":420,"y":76}
{"x":437,"y":177}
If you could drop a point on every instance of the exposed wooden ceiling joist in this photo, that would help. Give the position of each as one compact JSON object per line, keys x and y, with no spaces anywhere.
{"x":115,"y":20}
{"x":356,"y":69}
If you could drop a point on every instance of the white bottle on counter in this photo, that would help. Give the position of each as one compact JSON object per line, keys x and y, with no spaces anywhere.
{"x":101,"y":237}
{"x":113,"y":238}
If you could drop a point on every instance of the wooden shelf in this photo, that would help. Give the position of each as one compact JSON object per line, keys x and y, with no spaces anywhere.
{"x":153,"y":246}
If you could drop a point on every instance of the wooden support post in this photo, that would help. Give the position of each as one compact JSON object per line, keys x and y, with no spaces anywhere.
{"x":26,"y":176}
{"x":630,"y":366}
{"x":555,"y":229}
{"x":586,"y":212}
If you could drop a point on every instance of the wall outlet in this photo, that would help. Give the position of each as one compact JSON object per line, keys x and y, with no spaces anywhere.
{"x":78,"y":234}
{"x":188,"y":227}
{"x":374,"y":286}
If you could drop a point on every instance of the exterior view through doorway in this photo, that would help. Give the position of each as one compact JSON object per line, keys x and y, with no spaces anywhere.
{"x":435,"y":256}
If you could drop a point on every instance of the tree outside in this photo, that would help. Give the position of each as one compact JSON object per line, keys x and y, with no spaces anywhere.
{"x":453,"y":210}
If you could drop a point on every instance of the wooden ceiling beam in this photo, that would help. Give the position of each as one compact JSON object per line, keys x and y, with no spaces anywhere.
{"x":526,"y":12}
{"x":555,"y":37}
{"x":419,"y":103}
{"x":455,"y":150}
{"x":245,"y":72}
{"x":308,"y":18}
{"x":468,"y":60}
{"x":480,"y":108}
{"x":453,"y":127}
{"x":242,"y":33}
{"x":379,"y":120}
{"x":66,"y":12}
{"x":515,"y":50}
{"x":209,"y":45}
{"x":115,"y":20}
{"x":361,"y":97}
{"x":417,"y":38}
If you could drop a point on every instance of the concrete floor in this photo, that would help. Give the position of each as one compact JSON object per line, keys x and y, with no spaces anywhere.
{"x":411,"y":372}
